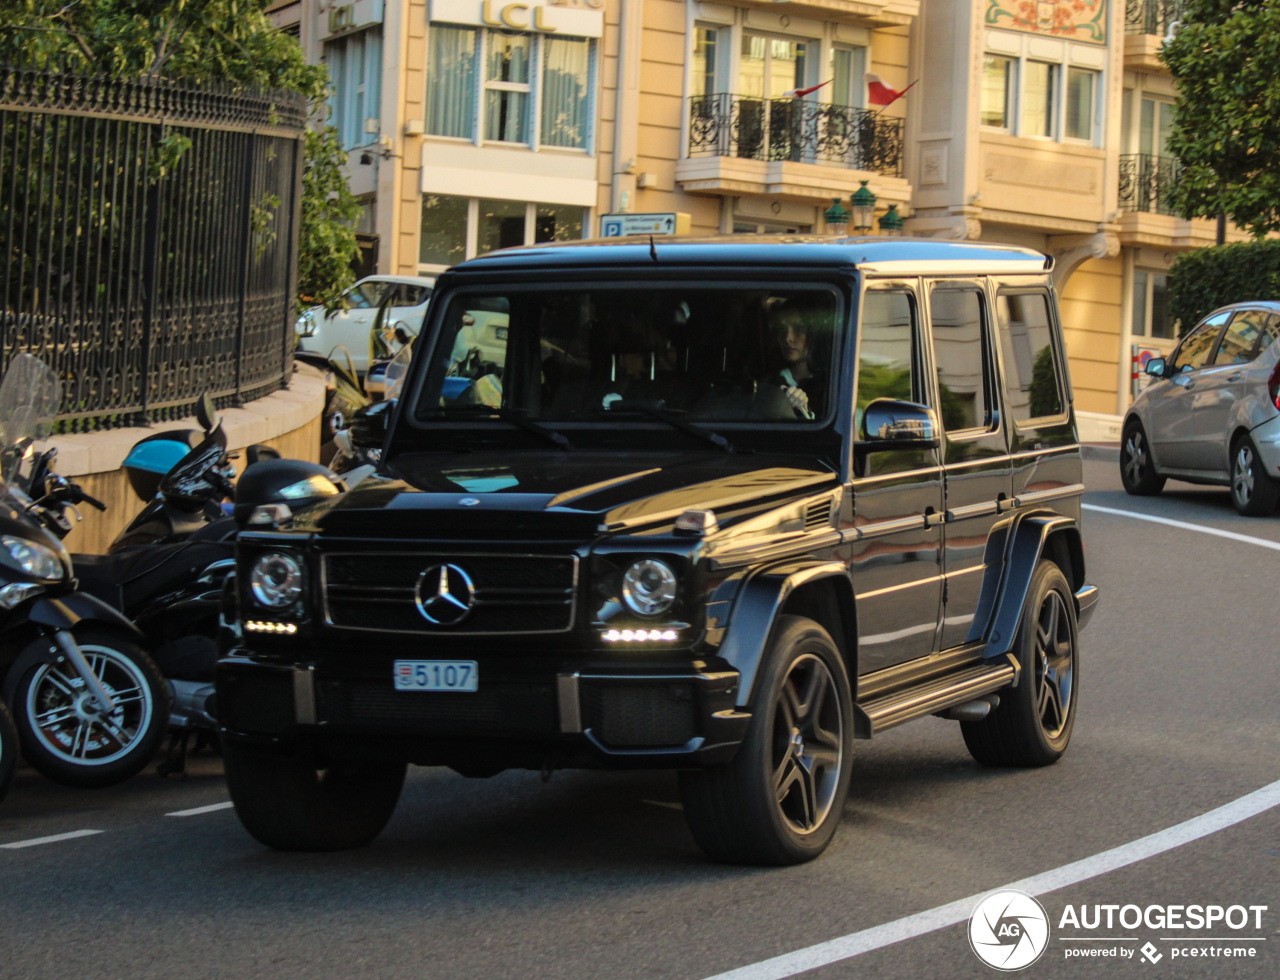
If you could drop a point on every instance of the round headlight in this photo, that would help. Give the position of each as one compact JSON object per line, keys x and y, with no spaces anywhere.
{"x":34,"y":559}
{"x":649,"y":587}
{"x":276,"y":580}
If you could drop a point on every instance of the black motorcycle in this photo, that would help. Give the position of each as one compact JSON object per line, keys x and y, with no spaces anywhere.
{"x":88,"y":703}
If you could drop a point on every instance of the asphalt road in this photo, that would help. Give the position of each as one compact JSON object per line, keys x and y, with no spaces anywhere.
{"x":594,"y":875}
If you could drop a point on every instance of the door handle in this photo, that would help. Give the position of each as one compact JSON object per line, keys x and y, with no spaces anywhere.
{"x":933,"y":518}
{"x":1235,"y":377}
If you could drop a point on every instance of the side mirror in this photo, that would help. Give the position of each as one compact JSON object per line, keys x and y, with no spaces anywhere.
{"x":370,"y":426}
{"x":891,"y":424}
{"x":207,"y":413}
{"x":1155,"y":367}
{"x":402,"y":334}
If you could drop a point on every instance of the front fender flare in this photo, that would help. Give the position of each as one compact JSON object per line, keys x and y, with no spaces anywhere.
{"x":1026,"y":545}
{"x":756,"y":609}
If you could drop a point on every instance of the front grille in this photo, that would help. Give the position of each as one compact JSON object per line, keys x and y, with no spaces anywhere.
{"x":634,"y":714}
{"x":495,"y":709}
{"x":513,"y":593}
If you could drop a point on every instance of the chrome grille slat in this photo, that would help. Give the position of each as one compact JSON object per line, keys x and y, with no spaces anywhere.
{"x":504,"y":603}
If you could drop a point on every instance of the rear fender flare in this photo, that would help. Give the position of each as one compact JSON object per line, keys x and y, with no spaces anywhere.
{"x":757,"y":608}
{"x":1028,"y":540}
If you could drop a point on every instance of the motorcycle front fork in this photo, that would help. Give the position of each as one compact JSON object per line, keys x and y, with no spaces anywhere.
{"x":71,"y":650}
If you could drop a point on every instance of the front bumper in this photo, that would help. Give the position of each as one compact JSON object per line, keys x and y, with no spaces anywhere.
{"x":578,"y":716}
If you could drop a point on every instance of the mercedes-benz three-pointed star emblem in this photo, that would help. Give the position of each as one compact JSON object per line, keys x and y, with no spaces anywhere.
{"x":445,"y":595}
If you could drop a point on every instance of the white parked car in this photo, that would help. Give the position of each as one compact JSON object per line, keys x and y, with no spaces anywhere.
{"x":350,"y":324}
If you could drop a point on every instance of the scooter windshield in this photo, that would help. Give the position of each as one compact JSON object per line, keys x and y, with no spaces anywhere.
{"x":29,"y":398}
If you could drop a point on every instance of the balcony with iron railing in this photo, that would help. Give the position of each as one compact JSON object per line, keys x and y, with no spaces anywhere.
{"x":1147,"y":23}
{"x":1147,"y":182}
{"x":792,"y":147}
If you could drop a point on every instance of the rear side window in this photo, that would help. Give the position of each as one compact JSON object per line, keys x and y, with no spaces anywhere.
{"x":1194,"y":351}
{"x":1239,"y":343}
{"x":959,"y":353}
{"x":1031,"y":376}
{"x":886,"y":356}
{"x":407,"y":295}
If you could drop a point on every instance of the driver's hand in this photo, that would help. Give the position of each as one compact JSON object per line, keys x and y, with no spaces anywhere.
{"x":799,"y":401}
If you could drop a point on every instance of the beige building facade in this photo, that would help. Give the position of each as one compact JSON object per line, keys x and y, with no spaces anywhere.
{"x":479,"y":124}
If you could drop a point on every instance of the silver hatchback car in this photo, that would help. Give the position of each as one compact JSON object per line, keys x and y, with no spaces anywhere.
{"x":1212,"y":411}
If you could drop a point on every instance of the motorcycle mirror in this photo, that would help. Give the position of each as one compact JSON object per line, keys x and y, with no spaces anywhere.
{"x":207,"y":412}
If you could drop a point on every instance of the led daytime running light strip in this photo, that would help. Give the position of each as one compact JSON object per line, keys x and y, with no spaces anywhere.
{"x":639,"y":636}
{"x":262,"y":626}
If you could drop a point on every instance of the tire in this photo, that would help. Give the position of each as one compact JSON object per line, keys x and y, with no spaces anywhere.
{"x":1032,"y":724}
{"x":1137,"y":468}
{"x":780,"y":800}
{"x":8,"y":749}
{"x":1253,"y":492}
{"x":65,"y":737}
{"x":290,"y":805}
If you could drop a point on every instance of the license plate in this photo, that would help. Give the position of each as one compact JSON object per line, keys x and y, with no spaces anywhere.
{"x":436,"y":675}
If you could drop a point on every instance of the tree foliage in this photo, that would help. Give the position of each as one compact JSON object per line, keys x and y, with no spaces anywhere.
{"x":227,"y":43}
{"x":1226,"y":131}
{"x":1203,"y":280}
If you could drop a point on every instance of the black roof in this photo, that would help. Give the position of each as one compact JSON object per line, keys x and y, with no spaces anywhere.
{"x":869,"y":254}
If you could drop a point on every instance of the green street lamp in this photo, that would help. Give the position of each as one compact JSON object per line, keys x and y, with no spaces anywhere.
{"x":837,"y":218}
{"x":891,"y":224}
{"x":864,"y":208}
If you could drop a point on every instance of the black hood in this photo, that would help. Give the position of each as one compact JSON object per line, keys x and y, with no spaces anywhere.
{"x":559,"y":494}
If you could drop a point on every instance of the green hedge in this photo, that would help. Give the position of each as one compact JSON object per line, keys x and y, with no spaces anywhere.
{"x":1207,"y":278}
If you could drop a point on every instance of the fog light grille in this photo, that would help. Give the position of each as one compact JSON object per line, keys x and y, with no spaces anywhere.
{"x":640,"y":715}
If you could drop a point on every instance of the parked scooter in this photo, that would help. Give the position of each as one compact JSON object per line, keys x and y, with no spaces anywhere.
{"x":88,"y":703}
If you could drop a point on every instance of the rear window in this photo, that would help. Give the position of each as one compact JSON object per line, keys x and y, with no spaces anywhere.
{"x":572,"y":354}
{"x":1033,"y":389}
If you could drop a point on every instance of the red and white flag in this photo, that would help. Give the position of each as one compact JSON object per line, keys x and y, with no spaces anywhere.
{"x":881,"y":94}
{"x":800,"y":93}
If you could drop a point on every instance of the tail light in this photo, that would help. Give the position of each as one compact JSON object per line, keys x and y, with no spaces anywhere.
{"x":1273,"y":385}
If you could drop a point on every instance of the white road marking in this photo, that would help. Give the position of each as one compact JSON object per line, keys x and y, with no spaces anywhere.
{"x":52,"y":839}
{"x":196,"y":811}
{"x":953,"y":913}
{"x":1186,"y":526}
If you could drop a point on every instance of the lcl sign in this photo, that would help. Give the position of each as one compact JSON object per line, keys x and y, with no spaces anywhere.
{"x":524,"y":15}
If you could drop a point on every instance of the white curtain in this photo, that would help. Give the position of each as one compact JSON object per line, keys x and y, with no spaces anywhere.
{"x":451,"y":82}
{"x":567,"y":63}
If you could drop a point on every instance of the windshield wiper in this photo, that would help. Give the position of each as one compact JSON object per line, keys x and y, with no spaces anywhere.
{"x":676,"y":422}
{"x":516,"y":418}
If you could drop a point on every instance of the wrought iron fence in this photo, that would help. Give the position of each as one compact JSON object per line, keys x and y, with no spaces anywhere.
{"x":1147,"y":181}
{"x":148,"y":240}
{"x":795,"y":129}
{"x":1152,"y":16}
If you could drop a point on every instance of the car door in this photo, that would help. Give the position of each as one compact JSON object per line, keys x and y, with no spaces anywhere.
{"x":977,"y":472}
{"x":896,"y":496}
{"x":1219,"y":386}
{"x":349,"y":325}
{"x":1170,"y":413}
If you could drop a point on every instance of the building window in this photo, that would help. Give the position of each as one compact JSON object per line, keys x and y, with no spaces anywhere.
{"x":998,"y":76}
{"x":706,"y":47}
{"x":355,"y":69}
{"x":1082,"y":88}
{"x":1039,"y":97}
{"x":847,"y":66}
{"x":458,"y":228}
{"x":1151,"y":305}
{"x":536,"y":88}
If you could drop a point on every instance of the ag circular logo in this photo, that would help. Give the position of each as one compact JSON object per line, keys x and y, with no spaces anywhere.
{"x":1009,"y":930}
{"x":445,"y":595}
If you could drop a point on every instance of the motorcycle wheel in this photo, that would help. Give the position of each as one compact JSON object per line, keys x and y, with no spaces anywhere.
{"x":8,"y":749}
{"x":64,"y":734}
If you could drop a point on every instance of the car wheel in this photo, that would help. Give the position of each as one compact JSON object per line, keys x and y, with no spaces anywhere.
{"x":1137,"y":469}
{"x":292,"y":805}
{"x":1253,"y":492}
{"x":1032,"y":724}
{"x":781,"y":798}
{"x":8,"y":749}
{"x":68,"y":738}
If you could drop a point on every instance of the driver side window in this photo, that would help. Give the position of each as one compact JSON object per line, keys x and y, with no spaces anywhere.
{"x":1194,"y":352}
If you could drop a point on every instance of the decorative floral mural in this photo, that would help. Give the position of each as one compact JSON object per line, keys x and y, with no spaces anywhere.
{"x":1074,"y":20}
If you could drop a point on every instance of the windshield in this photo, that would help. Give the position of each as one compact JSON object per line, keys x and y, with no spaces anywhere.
{"x":29,"y":397}
{"x":739,"y":353}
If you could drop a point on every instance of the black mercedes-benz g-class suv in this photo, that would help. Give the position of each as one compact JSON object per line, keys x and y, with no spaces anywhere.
{"x":716,"y":506}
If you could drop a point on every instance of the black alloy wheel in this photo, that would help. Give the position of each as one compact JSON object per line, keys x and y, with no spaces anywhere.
{"x":8,"y":749}
{"x":780,"y":800}
{"x":294,"y":805}
{"x":1031,"y":726}
{"x":1137,"y":469}
{"x":1253,"y":492}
